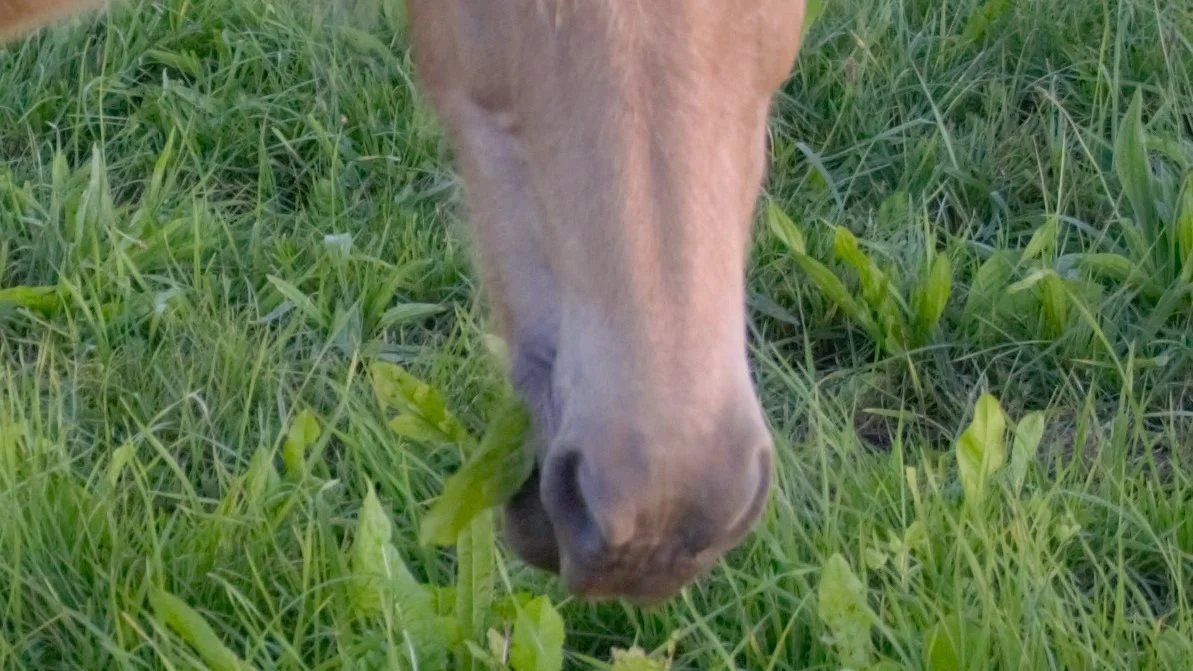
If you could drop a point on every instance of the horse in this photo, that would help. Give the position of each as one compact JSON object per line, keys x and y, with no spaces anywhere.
{"x":611,"y":154}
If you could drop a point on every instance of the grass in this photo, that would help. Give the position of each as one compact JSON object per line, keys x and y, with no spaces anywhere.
{"x":214,"y":215}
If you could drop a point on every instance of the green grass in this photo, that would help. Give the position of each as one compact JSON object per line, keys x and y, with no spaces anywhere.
{"x":216,"y":214}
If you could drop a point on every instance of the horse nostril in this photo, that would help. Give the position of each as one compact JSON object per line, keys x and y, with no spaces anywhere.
{"x":563,"y":497}
{"x":589,"y":513}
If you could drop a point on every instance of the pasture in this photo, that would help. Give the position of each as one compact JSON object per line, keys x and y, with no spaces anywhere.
{"x":971,"y":324}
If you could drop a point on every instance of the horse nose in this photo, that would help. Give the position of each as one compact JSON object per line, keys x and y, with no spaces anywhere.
{"x":643,"y":525}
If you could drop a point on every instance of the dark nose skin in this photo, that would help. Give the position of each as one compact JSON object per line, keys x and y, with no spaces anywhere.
{"x":620,"y":535}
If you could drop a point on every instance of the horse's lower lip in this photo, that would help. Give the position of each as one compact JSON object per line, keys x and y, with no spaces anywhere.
{"x":596,"y":584}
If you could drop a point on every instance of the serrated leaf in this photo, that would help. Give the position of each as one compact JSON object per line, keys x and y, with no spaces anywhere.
{"x":499,"y":469}
{"x":844,"y":610}
{"x":382,"y":581}
{"x":784,"y":228}
{"x":188,"y":624}
{"x":981,"y":449}
{"x":304,"y":431}
{"x":395,"y":388}
{"x":537,"y":641}
{"x":374,"y":559}
{"x":1028,"y":433}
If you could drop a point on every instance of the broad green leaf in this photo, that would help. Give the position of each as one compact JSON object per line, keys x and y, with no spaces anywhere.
{"x":843,"y":609}
{"x":158,"y":180}
{"x":1170,"y":648}
{"x":296,"y":297}
{"x":408,"y":312}
{"x":835,"y":290}
{"x":978,"y":25}
{"x":1028,"y":433}
{"x":982,"y":450}
{"x":479,"y":654}
{"x":932,"y":295}
{"x":1055,"y":300}
{"x":364,"y":43}
{"x":498,"y":645}
{"x":120,"y":458}
{"x":1043,"y":242}
{"x":635,"y":659}
{"x":845,"y":246}
{"x":1132,"y":168}
{"x":187,"y":623}
{"x":43,"y":299}
{"x":379,"y":294}
{"x":784,"y":229}
{"x":813,"y":9}
{"x":383,"y":581}
{"x":893,"y":327}
{"x":537,"y":642}
{"x":475,"y":584}
{"x":374,"y":559}
{"x":489,"y":479}
{"x":397,"y":389}
{"x":1033,"y":278}
{"x":1176,"y":297}
{"x":304,"y":431}
{"x":1136,"y":241}
{"x":1064,"y":527}
{"x":1183,"y":227}
{"x":987,"y":285}
{"x":417,"y":429}
{"x":261,"y":477}
{"x":874,"y":558}
{"x":894,"y":211}
{"x":943,"y":645}
{"x":1108,"y":266}
{"x":187,"y":62}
